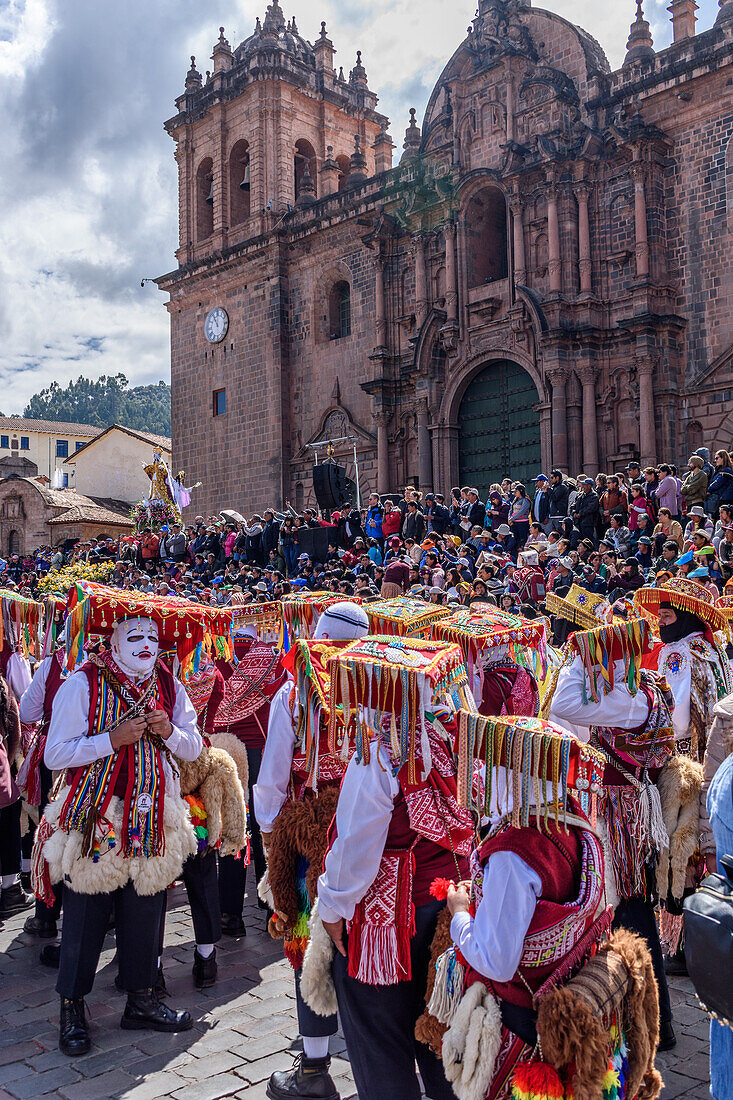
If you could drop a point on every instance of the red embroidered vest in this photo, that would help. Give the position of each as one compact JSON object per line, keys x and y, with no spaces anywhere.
{"x":53,"y":683}
{"x":165,"y":699}
{"x":570,"y":867}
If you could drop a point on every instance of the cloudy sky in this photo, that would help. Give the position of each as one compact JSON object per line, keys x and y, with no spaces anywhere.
{"x":87,"y":177}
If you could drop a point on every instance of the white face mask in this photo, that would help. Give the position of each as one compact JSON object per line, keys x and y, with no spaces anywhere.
{"x":135,"y":646}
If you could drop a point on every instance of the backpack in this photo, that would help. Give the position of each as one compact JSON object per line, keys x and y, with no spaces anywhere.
{"x":708,"y":924}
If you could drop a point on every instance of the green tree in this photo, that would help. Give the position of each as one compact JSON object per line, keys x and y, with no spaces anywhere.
{"x":103,"y":401}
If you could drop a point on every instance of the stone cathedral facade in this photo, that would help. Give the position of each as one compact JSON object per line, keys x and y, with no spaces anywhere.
{"x":543,"y":278}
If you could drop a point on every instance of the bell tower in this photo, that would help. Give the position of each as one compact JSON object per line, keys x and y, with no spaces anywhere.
{"x":263,"y":132}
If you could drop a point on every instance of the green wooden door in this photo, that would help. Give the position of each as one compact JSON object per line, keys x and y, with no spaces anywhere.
{"x":499,"y":428}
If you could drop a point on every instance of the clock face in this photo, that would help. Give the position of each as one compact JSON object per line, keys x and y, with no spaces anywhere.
{"x":216,"y":325}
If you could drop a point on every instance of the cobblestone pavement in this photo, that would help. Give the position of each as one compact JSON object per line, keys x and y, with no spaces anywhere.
{"x":244,"y":1028}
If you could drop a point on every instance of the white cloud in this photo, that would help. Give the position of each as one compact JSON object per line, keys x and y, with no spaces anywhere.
{"x":87,"y":177}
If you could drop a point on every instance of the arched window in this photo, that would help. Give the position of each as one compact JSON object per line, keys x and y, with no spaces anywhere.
{"x":339,"y":310}
{"x":344,"y":165}
{"x":486,"y":237}
{"x":239,"y":183}
{"x":299,"y":495}
{"x":439,"y":295}
{"x":305,"y":163}
{"x":205,"y":199}
{"x":694,"y":436}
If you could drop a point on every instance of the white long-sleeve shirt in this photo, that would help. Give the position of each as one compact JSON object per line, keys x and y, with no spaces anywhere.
{"x":363,"y":816}
{"x":492,"y":941}
{"x":271,"y":789}
{"x":31,"y":703}
{"x":68,"y":745}
{"x":619,"y":708}
{"x":18,"y":674}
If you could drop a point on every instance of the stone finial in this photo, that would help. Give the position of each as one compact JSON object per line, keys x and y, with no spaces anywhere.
{"x":193,"y":76}
{"x":640,"y":46}
{"x":358,"y":73}
{"x":307,"y":189}
{"x":683,"y":19}
{"x":357,"y":163}
{"x":412,"y":138}
{"x":274,"y":21}
{"x":222,"y":55}
{"x":383,"y":146}
{"x":342,"y":78}
{"x":324,"y":51}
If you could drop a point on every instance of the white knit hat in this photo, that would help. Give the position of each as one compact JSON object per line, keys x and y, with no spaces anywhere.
{"x":342,"y":622}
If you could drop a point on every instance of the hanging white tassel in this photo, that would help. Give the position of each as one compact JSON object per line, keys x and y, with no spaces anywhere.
{"x":448,"y":988}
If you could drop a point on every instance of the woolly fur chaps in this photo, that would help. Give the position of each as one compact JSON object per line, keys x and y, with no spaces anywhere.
{"x":679,"y":786}
{"x":238,"y":753}
{"x":471,"y":1044}
{"x":214,"y":776}
{"x":316,"y":982}
{"x":62,"y":852}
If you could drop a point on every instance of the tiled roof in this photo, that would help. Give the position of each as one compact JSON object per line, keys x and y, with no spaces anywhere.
{"x":91,"y":513}
{"x":20,"y":424}
{"x":161,"y":442}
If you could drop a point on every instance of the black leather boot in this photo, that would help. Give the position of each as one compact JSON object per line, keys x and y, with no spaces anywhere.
{"x":14,"y":900}
{"x":160,"y":988}
{"x":309,"y":1079}
{"x":73,"y":1031}
{"x":204,"y":970}
{"x":43,"y":927}
{"x":145,"y":1011}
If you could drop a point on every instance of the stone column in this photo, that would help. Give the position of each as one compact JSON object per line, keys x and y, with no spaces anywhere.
{"x":585,"y":267}
{"x":647,"y":421}
{"x":380,"y":419}
{"x":380,"y":322}
{"x":520,"y":261}
{"x":421,"y":285}
{"x":640,"y":222}
{"x":451,"y":282}
{"x":587,"y":377}
{"x":424,"y":447}
{"x":553,"y":243}
{"x":558,"y":377}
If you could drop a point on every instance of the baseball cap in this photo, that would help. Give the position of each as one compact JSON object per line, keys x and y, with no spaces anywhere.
{"x":587,"y":481}
{"x":541,"y":477}
{"x":646,"y":541}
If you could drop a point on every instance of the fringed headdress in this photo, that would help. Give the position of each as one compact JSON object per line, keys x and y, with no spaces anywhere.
{"x":309,"y":664}
{"x":383,"y":683}
{"x":685,"y":594}
{"x":624,"y":640}
{"x":189,"y":629}
{"x":265,"y":617}
{"x":586,"y":609}
{"x":21,"y":623}
{"x":544,"y":767}
{"x":301,"y":612}
{"x":404,"y":617}
{"x":477,"y":632}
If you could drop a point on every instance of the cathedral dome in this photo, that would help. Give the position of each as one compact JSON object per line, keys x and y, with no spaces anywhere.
{"x":275,"y":32}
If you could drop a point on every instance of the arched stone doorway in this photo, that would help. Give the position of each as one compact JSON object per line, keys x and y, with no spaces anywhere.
{"x":13,"y":542}
{"x":499,"y":427}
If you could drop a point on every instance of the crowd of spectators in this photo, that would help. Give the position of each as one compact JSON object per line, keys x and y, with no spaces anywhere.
{"x":610,"y":534}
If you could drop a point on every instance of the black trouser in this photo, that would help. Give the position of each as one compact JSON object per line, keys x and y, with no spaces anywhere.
{"x":137,"y":928}
{"x":638,"y":915}
{"x":379,"y":1025}
{"x":232,"y":871}
{"x":310,"y":1023}
{"x":199,"y":878}
{"x":10,"y":845}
